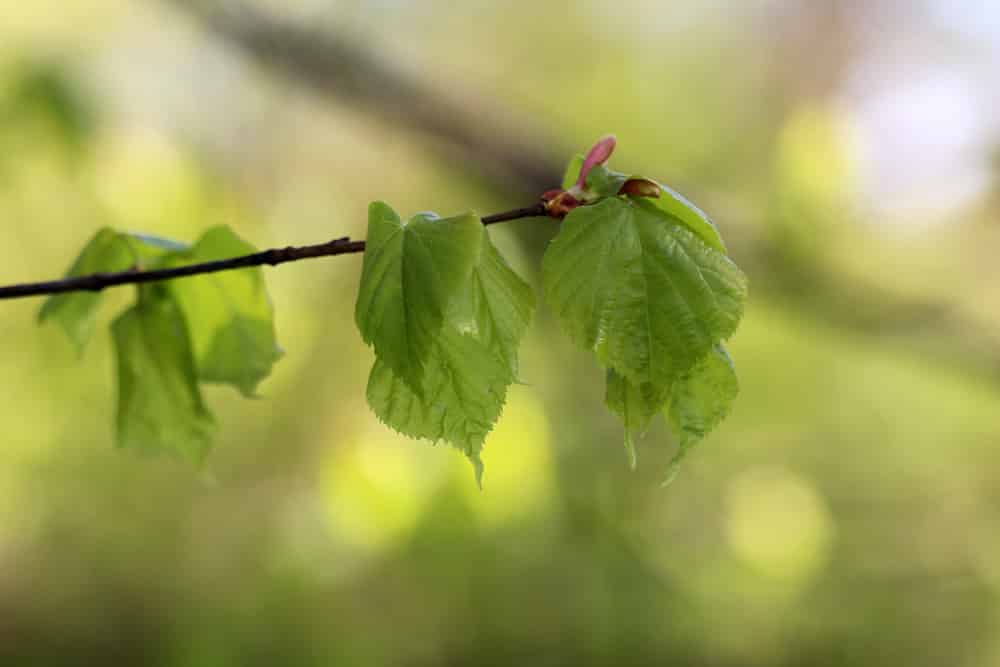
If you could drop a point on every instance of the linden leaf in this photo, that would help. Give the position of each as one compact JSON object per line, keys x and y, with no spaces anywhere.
{"x":606,"y":183}
{"x":636,"y":404}
{"x":699,"y":401}
{"x":229,"y":315}
{"x":469,"y":367}
{"x":674,"y":203}
{"x":640,"y":289}
{"x":75,"y":312}
{"x":411,"y":272}
{"x":160,"y":407}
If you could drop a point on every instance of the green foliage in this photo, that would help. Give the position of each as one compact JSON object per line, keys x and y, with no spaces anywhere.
{"x":410,"y":274}
{"x":645,"y":284}
{"x":637,"y":274}
{"x":606,"y":183}
{"x":215,"y":327}
{"x":645,"y":294}
{"x":471,"y":358}
{"x":229,"y":315}
{"x":75,"y":312}
{"x":160,"y":407}
{"x":701,"y":399}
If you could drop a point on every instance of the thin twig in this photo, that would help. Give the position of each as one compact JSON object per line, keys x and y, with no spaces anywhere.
{"x":96,"y":282}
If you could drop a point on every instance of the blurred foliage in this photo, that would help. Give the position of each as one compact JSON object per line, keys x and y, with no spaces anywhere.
{"x":844,"y":514}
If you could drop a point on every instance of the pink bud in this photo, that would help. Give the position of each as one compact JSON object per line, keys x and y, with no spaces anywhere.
{"x":598,"y":154}
{"x":640,"y":187}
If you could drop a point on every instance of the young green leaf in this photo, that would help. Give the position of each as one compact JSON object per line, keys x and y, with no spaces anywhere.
{"x":470,"y":365}
{"x":572,"y":171}
{"x":160,"y":407}
{"x":75,"y":312}
{"x":149,"y":248}
{"x":496,"y":307}
{"x":607,"y":183}
{"x":699,"y":401}
{"x":463,"y":392}
{"x":640,"y":289}
{"x":229,"y":316}
{"x":677,"y":205}
{"x":636,"y":404}
{"x":411,"y":272}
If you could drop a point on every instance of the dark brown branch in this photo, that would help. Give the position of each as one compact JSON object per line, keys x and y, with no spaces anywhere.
{"x":96,"y":282}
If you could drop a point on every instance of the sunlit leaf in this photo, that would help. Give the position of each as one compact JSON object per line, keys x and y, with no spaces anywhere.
{"x":606,"y":183}
{"x":572,"y":171}
{"x":496,"y":307}
{"x":636,"y":404}
{"x":411,"y":273}
{"x":160,"y":408}
{"x":674,"y":203}
{"x":640,"y":290}
{"x":700,"y":400}
{"x":470,"y":365}
{"x":229,"y":314}
{"x":463,"y":392}
{"x":75,"y":312}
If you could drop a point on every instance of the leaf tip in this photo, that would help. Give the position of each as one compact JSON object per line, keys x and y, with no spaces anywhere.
{"x":478,"y":469}
{"x":630,"y":450}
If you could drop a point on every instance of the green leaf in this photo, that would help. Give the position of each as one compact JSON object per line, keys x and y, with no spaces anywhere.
{"x":160,"y":408}
{"x":149,"y":248}
{"x":606,"y":183}
{"x":229,"y":315}
{"x":640,"y":289}
{"x":463,"y":392}
{"x":572,"y":171}
{"x":496,"y":307}
{"x":675,"y":204}
{"x":636,"y":404}
{"x":411,"y":272}
{"x":470,"y":365}
{"x":700,"y":400}
{"x":75,"y":312}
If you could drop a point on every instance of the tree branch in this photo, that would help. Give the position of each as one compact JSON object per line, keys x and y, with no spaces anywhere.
{"x":96,"y":282}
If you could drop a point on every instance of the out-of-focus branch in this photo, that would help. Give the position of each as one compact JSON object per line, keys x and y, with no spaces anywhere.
{"x":484,"y":138}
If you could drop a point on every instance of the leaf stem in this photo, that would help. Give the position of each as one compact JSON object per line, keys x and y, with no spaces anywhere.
{"x":96,"y":282}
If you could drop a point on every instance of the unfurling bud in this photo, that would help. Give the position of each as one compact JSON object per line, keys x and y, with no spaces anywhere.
{"x":640,"y":187}
{"x":598,"y":154}
{"x":558,"y":203}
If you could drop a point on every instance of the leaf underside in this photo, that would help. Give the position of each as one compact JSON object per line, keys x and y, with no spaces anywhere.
{"x":160,"y":408}
{"x":211,"y":328}
{"x":470,"y":360}
{"x":653,"y":301}
{"x":410,"y":274}
{"x":645,"y":294}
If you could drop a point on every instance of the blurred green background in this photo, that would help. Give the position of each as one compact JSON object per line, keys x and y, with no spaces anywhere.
{"x":847,"y":512}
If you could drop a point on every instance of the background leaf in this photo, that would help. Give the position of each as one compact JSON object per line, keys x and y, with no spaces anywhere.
{"x":75,"y":312}
{"x":229,"y":315}
{"x":160,"y":408}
